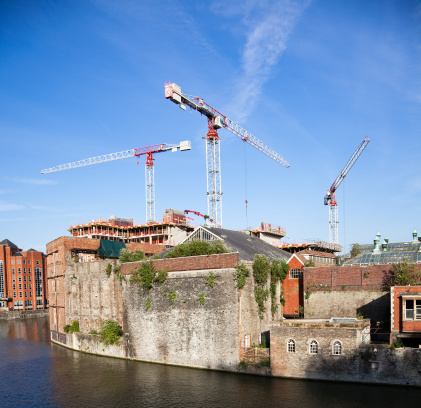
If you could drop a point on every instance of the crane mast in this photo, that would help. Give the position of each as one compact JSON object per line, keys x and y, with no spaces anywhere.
{"x":330,"y":194}
{"x":216,"y":120}
{"x":149,"y":151}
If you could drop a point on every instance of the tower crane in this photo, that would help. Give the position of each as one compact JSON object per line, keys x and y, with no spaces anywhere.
{"x":330,"y":194}
{"x":216,"y":120}
{"x":206,"y":217}
{"x":149,"y":151}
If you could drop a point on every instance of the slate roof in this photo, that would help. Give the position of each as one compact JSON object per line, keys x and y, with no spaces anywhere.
{"x":8,"y":243}
{"x":247,"y":246}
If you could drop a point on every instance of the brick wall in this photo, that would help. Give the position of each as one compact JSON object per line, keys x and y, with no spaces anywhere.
{"x":398,"y":324}
{"x":191,"y":263}
{"x":293,"y":289}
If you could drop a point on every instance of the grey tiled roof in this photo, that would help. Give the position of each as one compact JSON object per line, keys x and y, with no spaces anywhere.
{"x":248,"y":246}
{"x":8,"y":243}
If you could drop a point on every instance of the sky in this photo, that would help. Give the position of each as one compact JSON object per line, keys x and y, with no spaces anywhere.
{"x":309,"y":78}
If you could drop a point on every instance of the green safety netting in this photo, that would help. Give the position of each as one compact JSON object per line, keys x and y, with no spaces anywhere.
{"x":110,"y":249}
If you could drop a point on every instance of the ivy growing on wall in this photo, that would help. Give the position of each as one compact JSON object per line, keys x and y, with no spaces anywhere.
{"x":240,"y":275}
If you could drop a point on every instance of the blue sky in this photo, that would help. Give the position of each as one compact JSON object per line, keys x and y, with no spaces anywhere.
{"x":309,"y":78}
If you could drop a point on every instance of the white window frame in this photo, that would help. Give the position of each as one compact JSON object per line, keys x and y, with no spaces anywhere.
{"x":416,"y":308}
{"x":313,"y":347}
{"x":337,"y":348}
{"x":291,"y":346}
{"x":247,"y":340}
{"x":295,"y":273}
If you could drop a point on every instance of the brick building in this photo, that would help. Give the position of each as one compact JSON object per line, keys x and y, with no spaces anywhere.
{"x":405,"y":312}
{"x":76,"y":250}
{"x":22,"y":278}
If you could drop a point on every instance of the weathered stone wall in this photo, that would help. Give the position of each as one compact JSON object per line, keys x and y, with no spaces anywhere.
{"x":357,"y":363}
{"x":370,"y":304}
{"x":208,"y":335}
{"x":90,"y":295}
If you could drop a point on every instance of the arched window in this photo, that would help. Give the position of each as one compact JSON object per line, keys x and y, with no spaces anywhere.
{"x":291,"y":346}
{"x":337,"y":348}
{"x":314,"y":347}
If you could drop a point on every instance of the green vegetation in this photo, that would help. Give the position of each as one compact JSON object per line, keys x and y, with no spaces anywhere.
{"x":148,"y":304}
{"x":210,"y":281}
{"x":75,"y":258}
{"x":310,"y":264}
{"x":127,"y":256}
{"x":108,"y":269}
{"x":73,"y":328}
{"x":201,"y":298}
{"x":172,"y":295}
{"x":265,"y":363}
{"x":146,"y":275}
{"x":93,"y":331}
{"x":355,"y":250}
{"x":397,"y":344}
{"x":262,"y":269}
{"x":240,"y":275}
{"x":110,"y":332}
{"x":402,"y":274}
{"x":195,"y":248}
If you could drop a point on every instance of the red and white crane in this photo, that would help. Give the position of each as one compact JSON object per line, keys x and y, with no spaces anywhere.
{"x":149,"y":151}
{"x":205,"y":216}
{"x":330,"y":194}
{"x":216,"y":120}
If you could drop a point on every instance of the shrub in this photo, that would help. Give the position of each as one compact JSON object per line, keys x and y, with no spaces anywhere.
{"x":148,"y":304}
{"x":279,"y":270}
{"x":172,"y":295}
{"x":110,"y":332}
{"x":210,"y":281}
{"x":201,"y":298}
{"x":195,"y":248}
{"x":108,"y":270}
{"x":93,"y":331}
{"x":261,"y":269}
{"x":261,"y":296}
{"x":73,"y":328}
{"x":144,"y":276}
{"x":161,"y":276}
{"x":240,"y":275}
{"x":127,"y":256}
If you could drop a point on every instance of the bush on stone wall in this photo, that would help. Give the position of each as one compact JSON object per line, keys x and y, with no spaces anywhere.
{"x":73,"y":328}
{"x":110,"y":332}
{"x":195,"y":248}
{"x":402,"y":274}
{"x":127,"y":256}
{"x":240,"y":275}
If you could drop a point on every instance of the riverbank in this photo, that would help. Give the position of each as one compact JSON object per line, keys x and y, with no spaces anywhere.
{"x":23,"y":314}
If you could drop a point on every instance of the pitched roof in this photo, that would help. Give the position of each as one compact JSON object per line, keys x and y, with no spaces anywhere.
{"x":8,"y":243}
{"x":247,"y":246}
{"x":317,"y":253}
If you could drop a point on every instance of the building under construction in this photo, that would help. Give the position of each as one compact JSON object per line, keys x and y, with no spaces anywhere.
{"x":172,"y":230}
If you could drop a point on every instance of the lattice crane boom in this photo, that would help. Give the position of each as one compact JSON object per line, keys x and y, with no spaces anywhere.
{"x":330,"y":194}
{"x":149,"y":151}
{"x":216,"y":120}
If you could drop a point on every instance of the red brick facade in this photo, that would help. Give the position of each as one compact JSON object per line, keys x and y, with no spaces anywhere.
{"x":191,"y":263}
{"x":293,"y":289}
{"x":401,"y":321}
{"x":24,"y":280}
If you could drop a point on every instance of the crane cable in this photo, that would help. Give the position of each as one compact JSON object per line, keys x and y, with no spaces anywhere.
{"x":245,"y":183}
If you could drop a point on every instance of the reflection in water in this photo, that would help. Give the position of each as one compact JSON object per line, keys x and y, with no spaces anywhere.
{"x":35,"y":373}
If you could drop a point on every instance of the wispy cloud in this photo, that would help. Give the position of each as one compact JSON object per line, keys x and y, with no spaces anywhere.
{"x":35,"y":182}
{"x":4,"y":206}
{"x":268,"y":25}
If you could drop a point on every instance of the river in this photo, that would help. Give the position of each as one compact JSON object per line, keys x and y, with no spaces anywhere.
{"x":36,"y":373}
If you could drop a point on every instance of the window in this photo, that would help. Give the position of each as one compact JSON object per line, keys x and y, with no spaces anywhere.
{"x":24,"y":278}
{"x":25,"y":286}
{"x":13,"y":271}
{"x":28,"y":304}
{"x":18,"y":261}
{"x":39,"y":302}
{"x":38,"y":282}
{"x":30,"y":286}
{"x":412,"y":309}
{"x":30,"y":278}
{"x":19,"y":270}
{"x":14,"y":286}
{"x":20,"y":278}
{"x":26,"y":294}
{"x":30,"y":294}
{"x":20,"y":294}
{"x":29,"y":263}
{"x":13,"y":261}
{"x":14,"y":294}
{"x":337,"y":348}
{"x":247,"y":340}
{"x":13,"y":278}
{"x":24,"y":262}
{"x":24,"y":270}
{"x":20,"y":286}
{"x":291,"y":346}
{"x":314,"y":347}
{"x":295,"y":273}
{"x":37,"y":262}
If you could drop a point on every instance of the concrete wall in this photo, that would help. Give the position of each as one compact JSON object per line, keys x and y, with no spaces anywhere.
{"x":358,"y":362}
{"x":23,"y":314}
